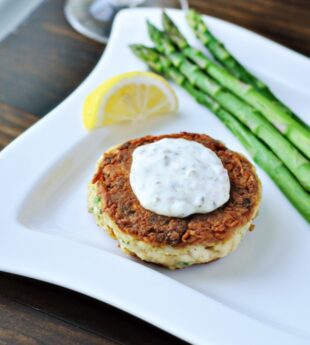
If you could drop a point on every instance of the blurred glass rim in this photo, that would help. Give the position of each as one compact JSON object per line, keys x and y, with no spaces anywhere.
{"x":88,"y":18}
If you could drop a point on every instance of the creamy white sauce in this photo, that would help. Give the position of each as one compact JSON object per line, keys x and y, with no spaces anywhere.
{"x":178,"y":177}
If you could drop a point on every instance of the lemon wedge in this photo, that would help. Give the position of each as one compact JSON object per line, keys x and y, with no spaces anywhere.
{"x":128,"y":97}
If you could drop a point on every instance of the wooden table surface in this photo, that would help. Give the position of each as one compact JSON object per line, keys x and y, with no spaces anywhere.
{"x":40,"y":64}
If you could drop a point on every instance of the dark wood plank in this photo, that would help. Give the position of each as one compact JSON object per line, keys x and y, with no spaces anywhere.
{"x":75,"y":310}
{"x":13,"y":122}
{"x":23,"y":325}
{"x":44,"y":60}
{"x":284,"y":21}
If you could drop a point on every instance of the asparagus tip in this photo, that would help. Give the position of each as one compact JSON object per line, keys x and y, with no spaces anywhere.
{"x":166,"y":20}
{"x":190,"y":12}
{"x":192,"y":15}
{"x":165,"y":15}
{"x":150,"y":27}
{"x":134,"y":47}
{"x":149,"y":23}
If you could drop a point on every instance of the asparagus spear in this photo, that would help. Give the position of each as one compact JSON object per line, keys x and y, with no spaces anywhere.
{"x":258,"y":151}
{"x":289,"y":155}
{"x":222,"y":55}
{"x":293,"y":128}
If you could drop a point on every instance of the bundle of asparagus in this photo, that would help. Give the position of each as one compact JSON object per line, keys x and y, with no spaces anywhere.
{"x":222,"y":55}
{"x":226,"y":59}
{"x":279,"y":115}
{"x":232,"y":101}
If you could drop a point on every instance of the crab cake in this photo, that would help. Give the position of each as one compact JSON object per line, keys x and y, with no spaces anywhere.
{"x":173,"y":242}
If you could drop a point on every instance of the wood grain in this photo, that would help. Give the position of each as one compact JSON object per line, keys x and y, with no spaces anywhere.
{"x":13,"y":122}
{"x":44,"y":60}
{"x":284,"y":21}
{"x":75,"y":310}
{"x":20,"y":324}
{"x":40,"y":64}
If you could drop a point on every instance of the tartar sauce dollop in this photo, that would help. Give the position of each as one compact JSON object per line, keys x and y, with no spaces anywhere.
{"x":178,"y":177}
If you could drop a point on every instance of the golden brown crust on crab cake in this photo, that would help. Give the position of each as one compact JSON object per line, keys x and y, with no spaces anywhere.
{"x":121,"y":207}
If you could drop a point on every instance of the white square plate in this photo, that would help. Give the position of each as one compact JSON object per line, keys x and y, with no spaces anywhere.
{"x":259,"y":294}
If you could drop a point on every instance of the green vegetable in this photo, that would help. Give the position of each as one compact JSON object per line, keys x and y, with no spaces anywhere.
{"x":296,"y":131}
{"x":260,"y":153}
{"x":222,"y":55}
{"x":226,"y":59}
{"x":248,"y":115}
{"x":184,"y":263}
{"x":97,"y":200}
